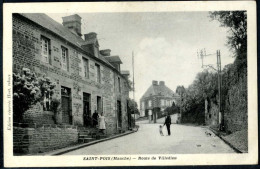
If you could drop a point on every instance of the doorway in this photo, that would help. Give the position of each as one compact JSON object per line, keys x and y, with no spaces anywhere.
{"x":129,"y":118}
{"x":86,"y":109}
{"x":66,"y":105}
{"x":119,"y":114}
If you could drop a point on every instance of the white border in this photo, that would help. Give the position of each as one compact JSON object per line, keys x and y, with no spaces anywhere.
{"x":83,"y":7}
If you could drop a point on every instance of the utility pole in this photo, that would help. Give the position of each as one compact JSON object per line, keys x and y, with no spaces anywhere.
{"x":203,"y":54}
{"x":221,"y":113}
{"x":133,"y":83}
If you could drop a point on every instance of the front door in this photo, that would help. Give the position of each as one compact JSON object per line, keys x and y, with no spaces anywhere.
{"x":86,"y":110}
{"x":66,"y":105}
{"x":119,"y":114}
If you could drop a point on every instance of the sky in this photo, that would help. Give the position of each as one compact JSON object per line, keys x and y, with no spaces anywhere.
{"x":164,"y":44}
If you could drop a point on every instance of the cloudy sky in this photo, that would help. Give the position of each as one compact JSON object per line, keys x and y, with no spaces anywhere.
{"x":165,"y":44}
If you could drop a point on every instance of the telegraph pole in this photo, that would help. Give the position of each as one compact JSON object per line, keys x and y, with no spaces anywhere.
{"x":203,"y":54}
{"x":221,"y":114}
{"x":133,"y":84}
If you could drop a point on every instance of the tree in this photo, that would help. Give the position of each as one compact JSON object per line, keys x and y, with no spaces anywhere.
{"x":180,"y":90}
{"x":28,"y":90}
{"x":133,"y":107}
{"x":236,"y":21}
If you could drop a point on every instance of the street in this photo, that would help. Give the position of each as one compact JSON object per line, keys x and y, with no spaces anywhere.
{"x":183,"y":140}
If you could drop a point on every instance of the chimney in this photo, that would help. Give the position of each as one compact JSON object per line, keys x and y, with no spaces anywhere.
{"x":91,"y":35}
{"x":73,"y":23}
{"x":155,"y":82}
{"x":161,"y":83}
{"x":105,"y":52}
{"x":92,"y":38}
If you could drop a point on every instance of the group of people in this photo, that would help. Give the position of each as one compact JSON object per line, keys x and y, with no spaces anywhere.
{"x":100,"y":121}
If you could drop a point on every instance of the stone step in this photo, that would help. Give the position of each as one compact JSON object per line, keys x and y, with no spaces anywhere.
{"x":85,"y":140}
{"x":85,"y":136}
{"x":84,"y":133}
{"x":100,"y":136}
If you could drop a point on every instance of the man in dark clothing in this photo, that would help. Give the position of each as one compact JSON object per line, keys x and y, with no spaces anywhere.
{"x":95,"y":119}
{"x":168,"y":123}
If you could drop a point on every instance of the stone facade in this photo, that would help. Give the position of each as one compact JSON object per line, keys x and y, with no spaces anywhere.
{"x":104,"y":94}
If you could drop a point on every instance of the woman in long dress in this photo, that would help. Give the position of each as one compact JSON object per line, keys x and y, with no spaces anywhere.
{"x":102,"y":123}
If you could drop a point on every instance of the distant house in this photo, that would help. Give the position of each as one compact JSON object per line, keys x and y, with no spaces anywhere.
{"x":156,"y":98}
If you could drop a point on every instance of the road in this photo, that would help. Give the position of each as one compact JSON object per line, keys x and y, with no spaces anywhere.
{"x":184,"y":140}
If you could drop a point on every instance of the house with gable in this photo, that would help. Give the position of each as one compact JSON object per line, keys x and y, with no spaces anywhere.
{"x":156,"y":98}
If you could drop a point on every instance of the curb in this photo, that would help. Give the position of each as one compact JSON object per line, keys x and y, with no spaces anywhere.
{"x":228,"y":143}
{"x":65,"y":150}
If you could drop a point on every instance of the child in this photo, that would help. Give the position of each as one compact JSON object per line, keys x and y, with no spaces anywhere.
{"x":160,"y":129}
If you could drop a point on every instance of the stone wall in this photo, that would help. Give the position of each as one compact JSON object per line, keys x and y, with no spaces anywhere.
{"x":235,"y":109}
{"x":211,"y":114}
{"x":236,"y":115}
{"x":38,"y":140}
{"x":36,"y":115}
{"x":27,"y":53}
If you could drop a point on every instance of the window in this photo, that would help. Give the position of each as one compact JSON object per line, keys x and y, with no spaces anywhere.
{"x":143,"y":113}
{"x":162,"y":102}
{"x":119,"y":84}
{"x":45,"y":49}
{"x":64,"y":59}
{"x":150,"y":103}
{"x":97,"y":68}
{"x":86,"y":67}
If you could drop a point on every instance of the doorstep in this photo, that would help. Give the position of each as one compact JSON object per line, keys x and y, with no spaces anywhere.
{"x":220,"y":134}
{"x":78,"y":146}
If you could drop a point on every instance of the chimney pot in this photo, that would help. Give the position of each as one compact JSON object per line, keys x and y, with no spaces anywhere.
{"x":105,"y":52}
{"x":155,"y":82}
{"x":162,"y":83}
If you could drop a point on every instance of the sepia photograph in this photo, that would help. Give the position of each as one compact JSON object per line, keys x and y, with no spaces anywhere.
{"x":131,"y":87}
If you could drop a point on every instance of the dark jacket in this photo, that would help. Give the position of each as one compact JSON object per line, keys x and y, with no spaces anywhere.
{"x":95,"y":116}
{"x":168,"y":120}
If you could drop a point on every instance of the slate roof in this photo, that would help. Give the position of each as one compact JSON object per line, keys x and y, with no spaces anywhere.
{"x":50,"y":24}
{"x":57,"y":28}
{"x":158,"y":90}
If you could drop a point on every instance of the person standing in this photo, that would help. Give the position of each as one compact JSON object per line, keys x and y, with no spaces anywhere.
{"x":168,"y":123}
{"x":95,"y":118}
{"x":102,"y":123}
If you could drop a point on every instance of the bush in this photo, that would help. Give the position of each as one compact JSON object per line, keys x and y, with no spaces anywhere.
{"x":28,"y":90}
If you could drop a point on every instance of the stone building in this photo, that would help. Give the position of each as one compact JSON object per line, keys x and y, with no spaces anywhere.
{"x":87,"y":78}
{"x":156,"y":98}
